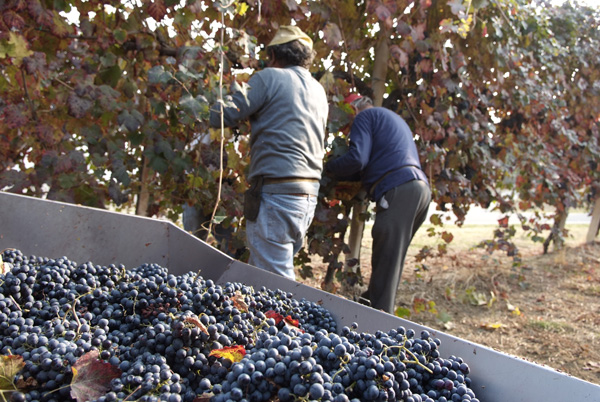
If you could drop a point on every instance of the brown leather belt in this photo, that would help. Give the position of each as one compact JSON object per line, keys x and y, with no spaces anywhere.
{"x":278,"y":180}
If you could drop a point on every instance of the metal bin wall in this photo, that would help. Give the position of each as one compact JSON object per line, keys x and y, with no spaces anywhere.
{"x":54,"y":229}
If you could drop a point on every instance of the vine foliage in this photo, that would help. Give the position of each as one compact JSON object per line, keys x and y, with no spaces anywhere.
{"x":106,"y":104}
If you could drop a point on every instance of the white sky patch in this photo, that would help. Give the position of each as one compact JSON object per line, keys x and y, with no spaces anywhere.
{"x":589,"y":3}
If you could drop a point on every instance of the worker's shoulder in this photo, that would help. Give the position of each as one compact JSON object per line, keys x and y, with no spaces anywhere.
{"x":379,"y":112}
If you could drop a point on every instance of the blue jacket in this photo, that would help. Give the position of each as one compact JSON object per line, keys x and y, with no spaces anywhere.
{"x":381,"y":143}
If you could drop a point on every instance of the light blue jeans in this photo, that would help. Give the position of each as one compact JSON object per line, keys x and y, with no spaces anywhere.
{"x":279,"y":230}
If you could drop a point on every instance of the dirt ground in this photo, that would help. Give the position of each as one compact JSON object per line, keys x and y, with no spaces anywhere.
{"x":547,"y":310}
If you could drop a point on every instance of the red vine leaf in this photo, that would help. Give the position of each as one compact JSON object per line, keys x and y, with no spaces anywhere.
{"x":503,"y":222}
{"x":274,"y":315}
{"x":332,"y":35}
{"x":292,"y":323}
{"x":287,"y":320}
{"x":157,"y":10}
{"x":13,"y":20}
{"x":92,"y":377}
{"x":27,"y":384}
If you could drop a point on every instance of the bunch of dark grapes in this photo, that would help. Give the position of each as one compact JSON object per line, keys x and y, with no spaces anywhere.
{"x":166,"y":334}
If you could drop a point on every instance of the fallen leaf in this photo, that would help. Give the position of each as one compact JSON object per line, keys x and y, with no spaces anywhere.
{"x":491,"y":327}
{"x":402,"y":312}
{"x":92,"y":377}
{"x":449,"y":325}
{"x":329,"y":287}
{"x":595,"y":365}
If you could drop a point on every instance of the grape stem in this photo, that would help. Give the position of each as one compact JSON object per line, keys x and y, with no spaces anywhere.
{"x":132,"y":392}
{"x":15,"y":302}
{"x":415,"y":361}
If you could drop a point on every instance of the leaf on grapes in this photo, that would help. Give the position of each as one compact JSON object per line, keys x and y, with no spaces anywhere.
{"x":292,"y":323}
{"x":26,"y":385}
{"x":233,"y":353}
{"x":274,"y":315}
{"x":9,"y":367}
{"x":4,"y":266}
{"x":203,"y":398}
{"x":196,"y":322}
{"x":239,"y":303}
{"x":289,"y":320}
{"x":92,"y":377}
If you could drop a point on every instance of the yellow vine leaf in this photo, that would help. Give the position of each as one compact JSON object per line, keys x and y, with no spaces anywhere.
{"x":491,"y":327}
{"x":232,"y":353}
{"x":15,"y":47}
{"x":9,"y":367}
{"x":242,"y":8}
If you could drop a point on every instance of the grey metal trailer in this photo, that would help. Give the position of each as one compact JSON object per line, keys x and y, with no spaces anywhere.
{"x":47,"y":228}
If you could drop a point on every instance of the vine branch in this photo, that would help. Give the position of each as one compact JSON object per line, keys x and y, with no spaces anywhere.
{"x":222,"y":144}
{"x":29,"y":101}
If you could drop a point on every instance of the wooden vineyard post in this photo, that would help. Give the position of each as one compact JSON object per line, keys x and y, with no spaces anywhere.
{"x":357,"y":227}
{"x":595,"y":223}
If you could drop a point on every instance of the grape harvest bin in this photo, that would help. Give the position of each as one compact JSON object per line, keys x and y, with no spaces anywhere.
{"x":54,"y":229}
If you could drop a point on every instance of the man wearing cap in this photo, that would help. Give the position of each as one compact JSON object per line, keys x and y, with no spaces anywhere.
{"x":287,"y":109}
{"x":382,"y":149}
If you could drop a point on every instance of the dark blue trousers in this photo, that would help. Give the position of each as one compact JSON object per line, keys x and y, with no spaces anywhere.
{"x":392,"y":233}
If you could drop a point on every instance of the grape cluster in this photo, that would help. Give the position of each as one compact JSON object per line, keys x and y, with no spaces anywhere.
{"x":161,"y":332}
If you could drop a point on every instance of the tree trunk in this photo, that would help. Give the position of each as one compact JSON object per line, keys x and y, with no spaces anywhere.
{"x":382,"y":55}
{"x":143,"y":200}
{"x":357,"y":226}
{"x":556,"y":232}
{"x":595,"y":223}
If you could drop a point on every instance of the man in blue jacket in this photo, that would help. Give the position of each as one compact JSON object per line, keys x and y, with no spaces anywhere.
{"x":287,"y":109}
{"x":383,"y":151}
